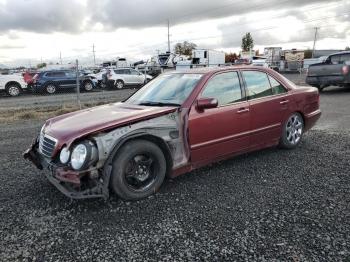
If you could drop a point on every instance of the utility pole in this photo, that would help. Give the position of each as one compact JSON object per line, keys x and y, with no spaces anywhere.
{"x":168,"y":36}
{"x":93,"y":51}
{"x":315,"y":39}
{"x":60,"y":58}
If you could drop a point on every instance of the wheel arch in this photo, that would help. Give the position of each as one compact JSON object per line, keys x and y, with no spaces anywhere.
{"x":143,"y":136}
{"x":8,"y":84}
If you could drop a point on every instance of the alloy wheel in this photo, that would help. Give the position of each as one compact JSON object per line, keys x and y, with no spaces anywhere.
{"x":294,"y":129}
{"x":51,"y":89}
{"x":13,"y":91}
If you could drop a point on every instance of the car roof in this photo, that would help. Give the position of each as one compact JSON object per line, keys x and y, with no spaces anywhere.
{"x":213,"y":70}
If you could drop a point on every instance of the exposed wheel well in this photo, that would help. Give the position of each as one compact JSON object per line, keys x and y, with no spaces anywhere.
{"x":156,"y":140}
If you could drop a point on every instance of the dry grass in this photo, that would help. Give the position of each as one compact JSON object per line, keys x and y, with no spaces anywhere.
{"x":42,"y":112}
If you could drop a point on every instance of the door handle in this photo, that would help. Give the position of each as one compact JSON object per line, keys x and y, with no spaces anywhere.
{"x":242,"y":110}
{"x":283,"y":102}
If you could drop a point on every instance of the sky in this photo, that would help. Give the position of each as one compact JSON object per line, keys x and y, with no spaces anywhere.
{"x":32,"y":31}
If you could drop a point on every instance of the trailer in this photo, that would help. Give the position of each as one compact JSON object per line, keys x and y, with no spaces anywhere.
{"x":207,"y":57}
{"x":273,"y":57}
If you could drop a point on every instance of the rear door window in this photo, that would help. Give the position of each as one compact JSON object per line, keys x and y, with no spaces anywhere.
{"x":344,"y":58}
{"x":257,"y":84}
{"x":335,"y":59}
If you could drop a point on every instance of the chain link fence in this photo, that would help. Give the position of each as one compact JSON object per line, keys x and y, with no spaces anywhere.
{"x":60,"y":89}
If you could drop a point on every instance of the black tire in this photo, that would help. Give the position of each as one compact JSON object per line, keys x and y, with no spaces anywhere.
{"x":88,"y":86}
{"x":127,"y":181}
{"x":13,"y":89}
{"x":119,"y":84}
{"x":292,"y":131}
{"x":50,"y":89}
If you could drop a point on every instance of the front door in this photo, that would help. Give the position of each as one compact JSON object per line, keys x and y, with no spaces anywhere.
{"x":214,"y":133}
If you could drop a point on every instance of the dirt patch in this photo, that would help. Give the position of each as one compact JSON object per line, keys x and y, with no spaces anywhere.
{"x":8,"y":116}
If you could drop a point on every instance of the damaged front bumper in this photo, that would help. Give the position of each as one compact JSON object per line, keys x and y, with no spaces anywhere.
{"x":73,"y":184}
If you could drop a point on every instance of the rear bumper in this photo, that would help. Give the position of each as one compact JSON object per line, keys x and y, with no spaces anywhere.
{"x":67,"y":181}
{"x":311,"y":119}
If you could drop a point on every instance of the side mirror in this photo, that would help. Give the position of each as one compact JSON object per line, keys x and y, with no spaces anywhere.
{"x":206,"y":103}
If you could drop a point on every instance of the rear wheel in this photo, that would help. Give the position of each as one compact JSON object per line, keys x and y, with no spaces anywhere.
{"x":292,"y":131}
{"x":13,"y":89}
{"x":119,"y":84}
{"x":138,"y":170}
{"x":50,"y":89}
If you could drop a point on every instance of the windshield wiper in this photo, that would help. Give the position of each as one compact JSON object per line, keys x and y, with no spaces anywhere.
{"x":150,"y":103}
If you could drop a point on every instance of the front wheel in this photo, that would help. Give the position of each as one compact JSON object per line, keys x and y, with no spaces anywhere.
{"x":88,"y":86}
{"x":292,"y":131}
{"x":138,"y":170}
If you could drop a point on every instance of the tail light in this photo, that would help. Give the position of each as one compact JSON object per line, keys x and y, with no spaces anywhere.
{"x":35,"y":77}
{"x":345,"y":70}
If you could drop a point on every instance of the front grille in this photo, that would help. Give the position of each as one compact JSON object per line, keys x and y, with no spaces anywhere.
{"x":47,"y":145}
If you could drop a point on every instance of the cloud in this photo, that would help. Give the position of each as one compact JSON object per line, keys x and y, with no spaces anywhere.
{"x":42,"y":16}
{"x":292,"y":25}
{"x":12,"y":46}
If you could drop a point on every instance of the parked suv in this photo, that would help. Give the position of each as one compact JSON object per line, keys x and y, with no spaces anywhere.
{"x":124,"y":76}
{"x":51,"y":81}
{"x":13,"y":85}
{"x":335,"y":70}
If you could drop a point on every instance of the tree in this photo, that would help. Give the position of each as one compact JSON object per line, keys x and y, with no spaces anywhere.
{"x":308,"y":53}
{"x":41,"y":65}
{"x":231,"y":57}
{"x":247,"y":42}
{"x":184,"y":48}
{"x":347,"y":48}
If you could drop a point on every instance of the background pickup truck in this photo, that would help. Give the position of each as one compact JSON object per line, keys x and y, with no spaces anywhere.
{"x":335,"y":70}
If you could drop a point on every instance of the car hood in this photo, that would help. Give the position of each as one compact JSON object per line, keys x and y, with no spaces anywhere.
{"x":69,"y":127}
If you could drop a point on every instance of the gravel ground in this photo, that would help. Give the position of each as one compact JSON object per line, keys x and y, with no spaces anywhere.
{"x":272,"y":205}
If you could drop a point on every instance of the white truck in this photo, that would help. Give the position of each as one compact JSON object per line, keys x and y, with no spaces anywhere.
{"x":207,"y":57}
{"x":13,"y":85}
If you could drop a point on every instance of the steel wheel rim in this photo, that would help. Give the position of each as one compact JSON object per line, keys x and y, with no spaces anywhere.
{"x":88,"y":86}
{"x":139,"y":172}
{"x":14,"y":91}
{"x":120,"y":85}
{"x":51,"y":89}
{"x":294,"y":129}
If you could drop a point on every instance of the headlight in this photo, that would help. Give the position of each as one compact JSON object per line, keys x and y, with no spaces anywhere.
{"x":64,"y":155}
{"x":79,"y":155}
{"x":84,"y":155}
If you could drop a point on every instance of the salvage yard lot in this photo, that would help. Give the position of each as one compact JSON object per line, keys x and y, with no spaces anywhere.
{"x":272,"y":204}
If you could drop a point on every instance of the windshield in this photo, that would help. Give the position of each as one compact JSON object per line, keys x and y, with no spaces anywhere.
{"x":168,"y":89}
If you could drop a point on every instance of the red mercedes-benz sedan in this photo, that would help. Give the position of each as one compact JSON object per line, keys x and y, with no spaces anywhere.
{"x":176,"y":123}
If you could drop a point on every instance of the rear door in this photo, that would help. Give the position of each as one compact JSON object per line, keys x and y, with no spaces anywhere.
{"x":269,"y":106}
{"x":221,"y":131}
{"x":70,"y":78}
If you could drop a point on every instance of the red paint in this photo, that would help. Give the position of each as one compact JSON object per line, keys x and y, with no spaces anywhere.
{"x":212,"y":134}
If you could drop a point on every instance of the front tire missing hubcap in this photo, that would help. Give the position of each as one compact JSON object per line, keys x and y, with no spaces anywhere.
{"x":138,"y":170}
